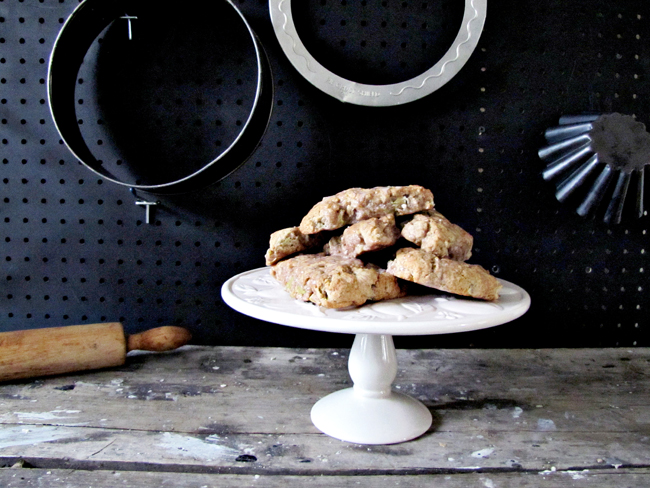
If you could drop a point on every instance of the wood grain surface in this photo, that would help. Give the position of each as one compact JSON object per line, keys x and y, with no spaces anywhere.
{"x":229,"y":416}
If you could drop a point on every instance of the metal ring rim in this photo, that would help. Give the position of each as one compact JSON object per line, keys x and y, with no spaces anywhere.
{"x":261,"y":72}
{"x":379,"y":95}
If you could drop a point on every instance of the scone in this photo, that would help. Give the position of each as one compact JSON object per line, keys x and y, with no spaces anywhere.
{"x":434,"y":233}
{"x":286,"y":242}
{"x":444,"y":274}
{"x":335,"y":281}
{"x":357,"y":204}
{"x":365,"y":236}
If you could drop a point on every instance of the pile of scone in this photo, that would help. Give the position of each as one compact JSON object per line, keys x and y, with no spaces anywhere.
{"x":366,"y":244}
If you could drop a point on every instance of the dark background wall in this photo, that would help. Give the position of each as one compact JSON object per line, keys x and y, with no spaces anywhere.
{"x":75,"y":248}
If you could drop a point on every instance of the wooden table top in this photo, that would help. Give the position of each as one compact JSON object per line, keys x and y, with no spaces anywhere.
{"x":240,"y":416}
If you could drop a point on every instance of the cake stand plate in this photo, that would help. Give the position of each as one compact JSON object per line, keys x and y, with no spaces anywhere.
{"x":371,"y":412}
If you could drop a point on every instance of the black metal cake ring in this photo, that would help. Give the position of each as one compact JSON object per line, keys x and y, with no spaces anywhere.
{"x":90,"y":20}
{"x":599,"y":160}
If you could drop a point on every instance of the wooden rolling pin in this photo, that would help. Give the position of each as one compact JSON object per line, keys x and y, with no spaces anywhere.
{"x":56,"y":350}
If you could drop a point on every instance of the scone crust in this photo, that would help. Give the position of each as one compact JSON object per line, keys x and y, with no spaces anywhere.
{"x":335,"y":281}
{"x":436,"y":234}
{"x":366,"y":236}
{"x":425,"y":268}
{"x":289,"y":241}
{"x":357,"y":204}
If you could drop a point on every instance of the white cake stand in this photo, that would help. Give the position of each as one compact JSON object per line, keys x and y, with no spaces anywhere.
{"x":370,"y":412}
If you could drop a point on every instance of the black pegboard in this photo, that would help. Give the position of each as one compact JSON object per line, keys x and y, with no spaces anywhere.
{"x":76,"y":249}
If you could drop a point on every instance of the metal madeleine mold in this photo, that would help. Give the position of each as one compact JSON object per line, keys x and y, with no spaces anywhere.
{"x":145,"y":26}
{"x":598,"y":160}
{"x":379,"y":95}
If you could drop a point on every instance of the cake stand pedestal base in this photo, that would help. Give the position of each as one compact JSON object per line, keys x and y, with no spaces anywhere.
{"x":370,"y":412}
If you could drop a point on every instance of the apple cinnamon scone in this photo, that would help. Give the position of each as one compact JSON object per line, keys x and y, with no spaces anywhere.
{"x":335,"y":281}
{"x":289,"y":241}
{"x":359,"y":227}
{"x":434,"y":233}
{"x":357,"y":204}
{"x":460,"y":278}
{"x":366,"y":236}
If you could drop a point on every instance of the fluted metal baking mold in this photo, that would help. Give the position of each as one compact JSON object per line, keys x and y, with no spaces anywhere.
{"x":599,"y":160}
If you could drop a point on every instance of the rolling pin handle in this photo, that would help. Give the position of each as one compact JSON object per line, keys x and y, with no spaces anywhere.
{"x":158,"y":339}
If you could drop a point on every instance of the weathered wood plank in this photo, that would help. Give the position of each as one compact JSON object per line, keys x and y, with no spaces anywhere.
{"x":22,"y":478}
{"x":89,"y":448}
{"x":246,"y":411}
{"x":237,"y":389}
